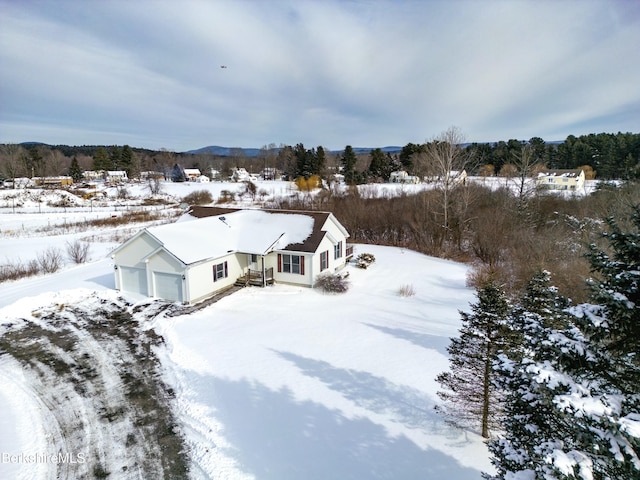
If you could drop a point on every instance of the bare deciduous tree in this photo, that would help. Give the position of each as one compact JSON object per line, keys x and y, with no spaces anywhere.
{"x":446,"y":159}
{"x":11,"y":158}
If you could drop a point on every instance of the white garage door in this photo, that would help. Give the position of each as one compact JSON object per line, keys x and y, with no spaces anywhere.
{"x":168,"y":286}
{"x":134,"y":280}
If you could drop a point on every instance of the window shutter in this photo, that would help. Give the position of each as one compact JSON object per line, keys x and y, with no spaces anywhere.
{"x":226,"y":270}
{"x":279,"y":262}
{"x":301,"y":265}
{"x":215,"y":274}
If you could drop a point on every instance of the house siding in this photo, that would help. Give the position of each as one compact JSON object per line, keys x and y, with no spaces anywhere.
{"x":200,"y":282}
{"x":271,"y":261}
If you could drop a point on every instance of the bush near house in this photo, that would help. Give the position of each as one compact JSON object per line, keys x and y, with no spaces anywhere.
{"x":364,"y":260}
{"x":332,"y":283}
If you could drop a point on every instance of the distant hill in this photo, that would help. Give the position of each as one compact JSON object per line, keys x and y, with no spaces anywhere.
{"x":254,"y":152}
{"x":225,"y":151}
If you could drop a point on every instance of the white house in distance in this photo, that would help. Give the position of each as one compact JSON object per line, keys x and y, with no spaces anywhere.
{"x":561,"y":179}
{"x":403,"y":177}
{"x":192,"y":174}
{"x":209,"y":249}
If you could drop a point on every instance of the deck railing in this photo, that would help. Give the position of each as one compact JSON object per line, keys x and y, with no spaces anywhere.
{"x":254,"y":277}
{"x":349,"y":251}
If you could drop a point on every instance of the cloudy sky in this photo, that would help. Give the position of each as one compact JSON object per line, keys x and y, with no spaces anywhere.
{"x":365,"y":73}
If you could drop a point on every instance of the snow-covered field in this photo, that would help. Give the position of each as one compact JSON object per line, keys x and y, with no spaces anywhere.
{"x":273,"y":383}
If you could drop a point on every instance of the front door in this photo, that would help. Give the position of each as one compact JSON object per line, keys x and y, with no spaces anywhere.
{"x":254,"y":263}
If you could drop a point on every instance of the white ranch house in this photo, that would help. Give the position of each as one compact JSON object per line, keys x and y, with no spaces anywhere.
{"x":210,"y":249}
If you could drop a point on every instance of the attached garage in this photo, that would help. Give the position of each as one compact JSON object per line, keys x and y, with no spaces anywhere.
{"x":134,"y":279}
{"x":168,"y":286}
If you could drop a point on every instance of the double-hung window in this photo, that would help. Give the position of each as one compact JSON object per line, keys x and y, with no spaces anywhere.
{"x":220,"y":270}
{"x":337,"y":250}
{"x":324,"y":260}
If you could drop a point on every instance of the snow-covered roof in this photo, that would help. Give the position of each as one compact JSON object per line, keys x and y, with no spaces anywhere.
{"x":194,"y":239}
{"x":560,"y":173}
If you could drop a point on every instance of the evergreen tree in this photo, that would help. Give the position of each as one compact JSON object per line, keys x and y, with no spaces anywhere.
{"x":305,"y":160}
{"x":612,"y":325}
{"x":126,"y":160}
{"x":573,"y":411}
{"x":114,"y":158}
{"x":407,"y":155}
{"x":349,"y":160}
{"x":320,"y":161}
{"x":381,"y":165}
{"x":538,"y":440}
{"x":470,"y":395}
{"x":100,"y":160}
{"x":177,"y":174}
{"x":75,"y":171}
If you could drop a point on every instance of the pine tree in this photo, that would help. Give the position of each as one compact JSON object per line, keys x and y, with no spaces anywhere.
{"x":114,"y":158}
{"x":177,"y":174}
{"x":470,"y":395}
{"x":126,"y":160}
{"x":100,"y":160}
{"x":612,"y":325}
{"x":349,"y":160}
{"x":573,"y":411}
{"x":538,"y":440}
{"x":75,"y":171}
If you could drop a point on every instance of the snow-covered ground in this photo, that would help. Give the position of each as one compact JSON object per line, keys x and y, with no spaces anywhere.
{"x":273,"y":383}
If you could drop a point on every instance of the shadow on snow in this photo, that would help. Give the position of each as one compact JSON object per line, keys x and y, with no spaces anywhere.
{"x":275,"y":436}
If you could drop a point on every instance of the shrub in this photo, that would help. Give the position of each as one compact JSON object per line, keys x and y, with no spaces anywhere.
{"x":78,"y":251}
{"x":15,"y":271}
{"x":199,"y":197}
{"x":250,"y":189}
{"x":226,"y":196}
{"x":364,"y":260}
{"x":332,"y":283}
{"x":308,"y":184}
{"x":50,"y":260}
{"x":406,"y":290}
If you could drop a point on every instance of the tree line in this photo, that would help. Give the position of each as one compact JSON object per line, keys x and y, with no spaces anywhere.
{"x":606,"y":155}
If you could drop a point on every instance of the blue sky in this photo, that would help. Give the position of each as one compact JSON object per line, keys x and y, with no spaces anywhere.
{"x":365,"y":73}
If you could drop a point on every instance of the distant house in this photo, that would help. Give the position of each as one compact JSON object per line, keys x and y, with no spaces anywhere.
{"x":239,"y":175}
{"x":402,"y":177}
{"x":115,"y":176}
{"x":269,"y":173}
{"x":53,"y":182}
{"x":202,"y":179}
{"x":561,"y":179}
{"x":455,"y":177}
{"x":192,"y":174}
{"x":209,"y":249}
{"x":93,"y":175}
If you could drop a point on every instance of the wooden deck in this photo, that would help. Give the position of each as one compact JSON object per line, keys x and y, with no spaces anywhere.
{"x":349,"y":252}
{"x":254,"y":277}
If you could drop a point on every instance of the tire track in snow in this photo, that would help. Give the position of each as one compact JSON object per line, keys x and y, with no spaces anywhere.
{"x":91,"y":370}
